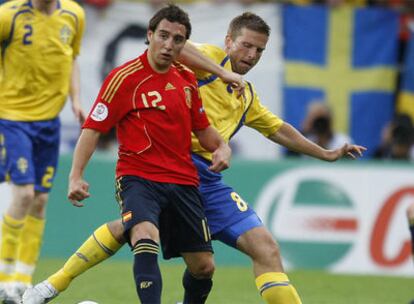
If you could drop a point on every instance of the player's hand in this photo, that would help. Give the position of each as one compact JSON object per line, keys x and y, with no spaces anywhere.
{"x":236,"y":81}
{"x":221,"y":159}
{"x":79,"y":113}
{"x":78,"y":191}
{"x":352,"y":151}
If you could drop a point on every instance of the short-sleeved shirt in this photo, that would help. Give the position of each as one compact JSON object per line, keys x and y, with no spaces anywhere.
{"x":154,"y":114}
{"x":226,"y":112}
{"x":37,"y":53}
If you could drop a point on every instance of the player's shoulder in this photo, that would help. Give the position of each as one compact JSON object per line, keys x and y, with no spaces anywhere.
{"x":212,"y":51}
{"x":182,"y":69}
{"x":72,"y":6}
{"x":132,"y":69}
{"x":123,"y":79}
{"x":14,"y":6}
{"x":184,"y":72}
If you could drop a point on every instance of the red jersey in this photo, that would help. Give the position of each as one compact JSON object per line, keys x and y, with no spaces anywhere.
{"x":154,"y":114}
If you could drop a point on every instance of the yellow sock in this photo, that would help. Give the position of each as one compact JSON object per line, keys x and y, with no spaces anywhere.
{"x":275,"y":288}
{"x":98,"y":247}
{"x":29,"y":249}
{"x":11,"y":231}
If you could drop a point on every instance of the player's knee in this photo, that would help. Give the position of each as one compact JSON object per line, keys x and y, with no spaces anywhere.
{"x":270,"y":247}
{"x":24,"y":196}
{"x":38,"y":207}
{"x":41,"y":199}
{"x":273,"y":251}
{"x":266,"y":251}
{"x":117,"y":230}
{"x":204,"y":269}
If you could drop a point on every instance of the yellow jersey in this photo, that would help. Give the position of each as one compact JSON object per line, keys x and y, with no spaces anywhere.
{"x":227,"y":113}
{"x":37,"y":53}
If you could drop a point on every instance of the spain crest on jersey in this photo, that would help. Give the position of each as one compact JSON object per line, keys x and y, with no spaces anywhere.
{"x":188,"y":96}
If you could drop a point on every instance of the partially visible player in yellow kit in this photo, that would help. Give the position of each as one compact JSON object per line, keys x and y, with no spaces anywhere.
{"x":39,"y":42}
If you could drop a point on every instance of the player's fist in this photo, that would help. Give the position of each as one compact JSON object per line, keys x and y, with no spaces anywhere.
{"x":78,"y":191}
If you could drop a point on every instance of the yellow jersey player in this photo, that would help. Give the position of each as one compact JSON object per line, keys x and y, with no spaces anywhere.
{"x":230,"y":218}
{"x":39,"y":41}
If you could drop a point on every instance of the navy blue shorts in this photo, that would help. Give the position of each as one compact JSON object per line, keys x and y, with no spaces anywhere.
{"x":228,"y":215}
{"x":29,"y":152}
{"x":176,"y":210}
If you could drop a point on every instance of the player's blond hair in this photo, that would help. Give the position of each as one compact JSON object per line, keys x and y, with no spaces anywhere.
{"x":250,"y":21}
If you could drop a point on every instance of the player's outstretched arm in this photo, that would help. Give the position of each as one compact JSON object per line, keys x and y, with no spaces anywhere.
{"x":78,"y":188}
{"x":211,"y":140}
{"x":74,"y":93}
{"x":194,"y":59}
{"x":292,"y":139}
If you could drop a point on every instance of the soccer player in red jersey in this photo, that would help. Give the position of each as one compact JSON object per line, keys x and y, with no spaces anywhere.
{"x":155,"y":106}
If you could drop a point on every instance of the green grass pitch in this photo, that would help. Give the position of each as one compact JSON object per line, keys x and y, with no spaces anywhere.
{"x":112,"y":283}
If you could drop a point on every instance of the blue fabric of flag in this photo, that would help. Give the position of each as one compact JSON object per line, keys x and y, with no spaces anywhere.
{"x":407,"y":79}
{"x":346,"y":56}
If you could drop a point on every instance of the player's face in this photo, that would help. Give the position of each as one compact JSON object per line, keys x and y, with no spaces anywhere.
{"x":165,"y":44}
{"x":245,"y":50}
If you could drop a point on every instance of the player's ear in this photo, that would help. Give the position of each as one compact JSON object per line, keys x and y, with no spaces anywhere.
{"x":228,"y":41}
{"x":149,"y":35}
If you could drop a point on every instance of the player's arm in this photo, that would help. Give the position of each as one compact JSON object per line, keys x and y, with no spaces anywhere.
{"x":292,"y":139}
{"x":78,"y":187}
{"x":74,"y":92}
{"x":6,"y":19}
{"x":194,"y":59}
{"x":211,"y":140}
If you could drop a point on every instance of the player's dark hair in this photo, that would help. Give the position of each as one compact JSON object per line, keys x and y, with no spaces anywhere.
{"x":250,"y":21}
{"x":172,"y":13}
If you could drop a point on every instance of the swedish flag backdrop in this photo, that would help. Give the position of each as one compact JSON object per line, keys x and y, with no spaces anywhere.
{"x":406,"y":96}
{"x":346,"y":56}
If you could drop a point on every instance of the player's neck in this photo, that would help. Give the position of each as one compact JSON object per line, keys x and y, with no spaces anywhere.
{"x":45,"y":6}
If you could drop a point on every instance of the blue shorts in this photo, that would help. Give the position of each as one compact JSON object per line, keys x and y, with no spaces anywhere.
{"x":228,"y":215}
{"x":29,"y":152}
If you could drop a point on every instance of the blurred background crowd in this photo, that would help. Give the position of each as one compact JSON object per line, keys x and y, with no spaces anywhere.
{"x":338,"y":70}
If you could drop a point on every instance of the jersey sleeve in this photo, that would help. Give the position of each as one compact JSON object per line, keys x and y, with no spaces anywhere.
{"x":5,"y":22}
{"x":76,"y":43}
{"x":261,"y":119}
{"x":211,"y":51}
{"x":111,"y":105}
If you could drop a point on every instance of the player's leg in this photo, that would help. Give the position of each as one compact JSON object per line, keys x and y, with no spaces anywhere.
{"x":147,"y":274}
{"x":45,"y":137}
{"x":12,"y":227}
{"x":16,"y":161}
{"x":102,"y":244}
{"x":197,"y":278}
{"x":191,"y":239}
{"x":233,"y":222}
{"x":141,"y":202}
{"x":29,"y":244}
{"x":271,"y":281}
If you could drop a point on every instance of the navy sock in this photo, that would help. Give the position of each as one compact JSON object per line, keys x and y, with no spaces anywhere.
{"x":412,"y":237}
{"x":196,"y":290}
{"x":147,"y":273}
